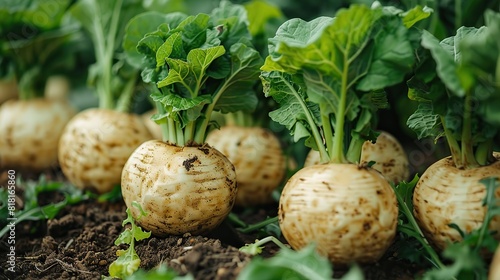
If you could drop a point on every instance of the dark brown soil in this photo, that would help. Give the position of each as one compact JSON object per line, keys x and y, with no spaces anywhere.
{"x":79,"y":244}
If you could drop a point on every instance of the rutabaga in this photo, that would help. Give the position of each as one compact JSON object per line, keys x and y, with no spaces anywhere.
{"x":328,"y":77}
{"x":95,"y":146}
{"x":30,"y":132}
{"x":258,"y":158}
{"x":97,"y":142}
{"x":184,"y":189}
{"x":387,"y":153}
{"x":458,"y":94}
{"x":200,"y":64}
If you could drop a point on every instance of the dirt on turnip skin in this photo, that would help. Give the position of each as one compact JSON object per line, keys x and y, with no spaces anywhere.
{"x":186,"y":189}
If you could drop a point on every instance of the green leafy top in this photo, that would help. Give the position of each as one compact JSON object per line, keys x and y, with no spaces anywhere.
{"x":35,"y":43}
{"x":105,"y":23}
{"x":199,"y":64}
{"x":328,"y":75}
{"x":457,"y":85}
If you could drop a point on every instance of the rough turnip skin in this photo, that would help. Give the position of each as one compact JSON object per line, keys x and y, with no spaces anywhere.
{"x":95,"y":145}
{"x":349,"y":211}
{"x":30,"y":131}
{"x":183,"y":189}
{"x":258,"y":158}
{"x":387,"y":153}
{"x":445,"y":194}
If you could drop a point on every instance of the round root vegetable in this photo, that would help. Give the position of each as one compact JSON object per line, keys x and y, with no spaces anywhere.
{"x":446,"y":194}
{"x":258,"y":158}
{"x":349,"y":210}
{"x":183,"y":189}
{"x":57,"y":87}
{"x":95,"y":145}
{"x":151,"y":125}
{"x":387,"y":153}
{"x":8,"y":90}
{"x":30,"y":131}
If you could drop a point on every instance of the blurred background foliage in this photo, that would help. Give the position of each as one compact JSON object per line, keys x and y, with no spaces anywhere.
{"x":448,"y":15}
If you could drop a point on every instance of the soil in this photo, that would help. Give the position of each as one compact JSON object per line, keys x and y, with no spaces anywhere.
{"x":79,"y":244}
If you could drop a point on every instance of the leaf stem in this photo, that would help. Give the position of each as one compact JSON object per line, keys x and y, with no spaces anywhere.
{"x":259,"y":225}
{"x":172,"y":132}
{"x":180,"y":134}
{"x":327,"y":133}
{"x":164,"y":125}
{"x":125,"y":99}
{"x":468,"y":158}
{"x":337,"y":153}
{"x":484,"y":152}
{"x":414,"y":228}
{"x":452,"y":144}
{"x":354,"y":150}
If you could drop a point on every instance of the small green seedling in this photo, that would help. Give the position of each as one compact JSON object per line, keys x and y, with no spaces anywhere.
{"x":128,"y":261}
{"x":256,"y":248}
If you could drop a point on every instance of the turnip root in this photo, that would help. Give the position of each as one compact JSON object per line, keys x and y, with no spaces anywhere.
{"x":30,"y":131}
{"x":151,"y":125}
{"x":446,"y":194}
{"x":258,"y":158}
{"x":57,"y":87}
{"x":387,"y":153}
{"x":183,"y":189}
{"x":95,"y":145}
{"x":8,"y":90}
{"x":349,"y":211}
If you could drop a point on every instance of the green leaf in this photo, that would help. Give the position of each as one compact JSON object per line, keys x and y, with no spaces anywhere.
{"x":393,"y":56}
{"x":424,"y":121}
{"x":134,"y":32}
{"x":244,"y":73}
{"x":447,"y":55}
{"x":303,"y":264}
{"x":337,"y":60}
{"x":294,"y":111}
{"x":415,"y":15}
{"x":128,"y":261}
{"x":259,"y":14}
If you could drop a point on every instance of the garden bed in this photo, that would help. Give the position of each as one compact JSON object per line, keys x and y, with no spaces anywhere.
{"x":79,"y":244}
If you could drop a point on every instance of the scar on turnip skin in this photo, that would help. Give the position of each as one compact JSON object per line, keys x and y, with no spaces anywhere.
{"x":188,"y":163}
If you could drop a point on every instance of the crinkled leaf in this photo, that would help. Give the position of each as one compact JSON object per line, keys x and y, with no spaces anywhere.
{"x":288,"y":92}
{"x":424,"y":121}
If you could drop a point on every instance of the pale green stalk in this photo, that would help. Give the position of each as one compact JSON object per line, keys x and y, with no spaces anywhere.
{"x":468,"y":157}
{"x":337,"y":153}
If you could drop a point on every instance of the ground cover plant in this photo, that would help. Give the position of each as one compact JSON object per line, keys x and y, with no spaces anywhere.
{"x":183,"y":206}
